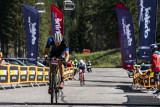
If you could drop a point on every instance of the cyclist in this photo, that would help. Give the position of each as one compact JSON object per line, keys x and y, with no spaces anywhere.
{"x":2,"y":62}
{"x":89,"y":64}
{"x":60,"y":49}
{"x":82,"y":65}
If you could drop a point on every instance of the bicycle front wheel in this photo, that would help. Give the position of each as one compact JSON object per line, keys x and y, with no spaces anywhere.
{"x":53,"y":85}
{"x":58,"y":80}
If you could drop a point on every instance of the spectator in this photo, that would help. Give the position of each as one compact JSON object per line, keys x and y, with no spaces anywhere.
{"x":156,"y":65}
{"x":69,"y":64}
{"x":2,"y":62}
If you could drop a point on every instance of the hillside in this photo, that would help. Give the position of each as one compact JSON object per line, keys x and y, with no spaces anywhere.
{"x":108,"y":58}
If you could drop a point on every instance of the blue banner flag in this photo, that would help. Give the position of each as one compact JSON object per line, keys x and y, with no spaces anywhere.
{"x":147,"y":10}
{"x":32,"y":27}
{"x":126,"y":36}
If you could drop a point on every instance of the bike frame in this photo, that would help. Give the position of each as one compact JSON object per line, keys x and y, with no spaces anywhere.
{"x":55,"y":81}
{"x":81,"y":77}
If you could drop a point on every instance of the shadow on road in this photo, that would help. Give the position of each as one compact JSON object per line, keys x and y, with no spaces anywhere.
{"x":128,"y":89}
{"x":138,"y":99}
{"x":108,"y":81}
{"x":77,"y":104}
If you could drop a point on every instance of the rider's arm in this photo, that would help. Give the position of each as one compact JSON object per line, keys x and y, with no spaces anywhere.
{"x":46,"y":52}
{"x":66,"y":49}
{"x":3,"y":62}
{"x":66,"y":56}
{"x":47,"y":48}
{"x":85,"y":66}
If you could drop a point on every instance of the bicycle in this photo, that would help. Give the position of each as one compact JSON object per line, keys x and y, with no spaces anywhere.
{"x":81,"y":77}
{"x":55,"y":80}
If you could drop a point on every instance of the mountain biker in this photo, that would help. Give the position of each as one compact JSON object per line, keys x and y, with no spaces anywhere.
{"x":60,"y":49}
{"x":2,"y":62}
{"x":156,"y":65}
{"x":82,"y":65}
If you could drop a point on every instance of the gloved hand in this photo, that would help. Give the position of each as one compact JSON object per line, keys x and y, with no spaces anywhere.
{"x":45,"y":62}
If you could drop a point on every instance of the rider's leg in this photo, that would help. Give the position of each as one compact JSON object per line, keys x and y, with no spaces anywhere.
{"x":62,"y":71}
{"x":158,"y":81}
{"x":50,"y":73}
{"x":62,"y":74}
{"x":156,"y":76}
{"x":84,"y":73}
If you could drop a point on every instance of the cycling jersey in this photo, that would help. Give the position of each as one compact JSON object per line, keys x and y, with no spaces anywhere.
{"x":82,"y":66}
{"x":57,"y":51}
{"x":156,"y":61}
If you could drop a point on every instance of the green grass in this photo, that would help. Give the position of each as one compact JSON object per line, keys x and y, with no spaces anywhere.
{"x":108,"y":58}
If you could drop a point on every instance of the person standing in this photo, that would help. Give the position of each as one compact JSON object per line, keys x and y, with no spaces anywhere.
{"x":156,"y":65}
{"x":2,"y":62}
{"x":69,"y":64}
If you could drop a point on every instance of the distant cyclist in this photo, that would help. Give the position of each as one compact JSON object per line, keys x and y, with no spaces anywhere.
{"x":89,"y":64}
{"x":81,"y":65}
{"x":60,"y":49}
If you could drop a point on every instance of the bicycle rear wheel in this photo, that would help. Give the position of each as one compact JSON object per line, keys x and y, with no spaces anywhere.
{"x":81,"y":80}
{"x":53,"y":85}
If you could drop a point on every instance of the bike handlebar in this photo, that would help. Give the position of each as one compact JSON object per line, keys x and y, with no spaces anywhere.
{"x":59,"y":59}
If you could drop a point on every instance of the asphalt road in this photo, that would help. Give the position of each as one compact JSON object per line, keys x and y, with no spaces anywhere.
{"x":103,"y":87}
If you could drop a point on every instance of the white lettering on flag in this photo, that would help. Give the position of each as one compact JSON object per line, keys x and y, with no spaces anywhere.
{"x":32,"y":29}
{"x":127,"y":31}
{"x":57,"y":25}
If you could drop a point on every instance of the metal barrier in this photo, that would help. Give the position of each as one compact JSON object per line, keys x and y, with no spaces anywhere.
{"x":66,"y":74}
{"x":23,"y":74}
{"x":39,"y":74}
{"x":46,"y":74}
{"x":144,"y":80}
{"x":4,"y":71}
{"x":14,"y":74}
{"x":71,"y":72}
{"x":32,"y":74}
{"x":4,"y":75}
